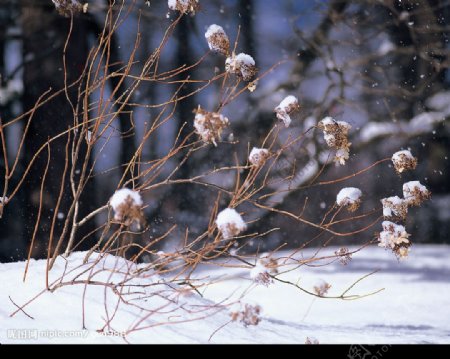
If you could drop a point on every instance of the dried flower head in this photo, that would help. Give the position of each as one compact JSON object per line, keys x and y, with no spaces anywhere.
{"x":258,"y":156}
{"x":335,"y":134}
{"x":265,"y":267}
{"x":415,"y":193}
{"x":217,"y":39}
{"x":230,"y":223}
{"x":322,"y":288}
{"x":127,"y":207}
{"x":349,"y":197}
{"x":344,"y":256}
{"x":68,"y":8}
{"x":311,"y":340}
{"x":394,"y":208}
{"x":242,"y":65}
{"x":269,"y":262}
{"x":286,"y":108}
{"x":247,"y":314}
{"x":403,"y":161}
{"x":394,"y":237}
{"x":260,"y":275}
{"x":184,"y":6}
{"x":342,"y":155}
{"x":209,"y":125}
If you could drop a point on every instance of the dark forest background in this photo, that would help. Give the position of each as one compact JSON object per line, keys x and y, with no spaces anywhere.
{"x":382,"y":66}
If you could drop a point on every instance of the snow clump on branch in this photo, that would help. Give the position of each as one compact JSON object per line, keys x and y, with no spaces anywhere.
{"x":286,"y":108}
{"x":217,"y":39}
{"x":127,"y":207}
{"x":335,"y":134}
{"x":242,"y":65}
{"x":209,"y":125}
{"x":349,"y":197}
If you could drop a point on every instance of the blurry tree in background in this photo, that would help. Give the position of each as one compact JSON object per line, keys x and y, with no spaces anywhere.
{"x":382,"y":66}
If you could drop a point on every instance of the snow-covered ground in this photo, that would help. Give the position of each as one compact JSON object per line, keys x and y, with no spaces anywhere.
{"x":414,"y":306}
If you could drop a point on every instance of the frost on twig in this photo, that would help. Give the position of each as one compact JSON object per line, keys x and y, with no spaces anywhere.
{"x":127,"y":207}
{"x":230,"y":223}
{"x":209,"y":125}
{"x":286,"y":108}
{"x":241,"y":65}
{"x":349,"y":197}
{"x":217,"y":39}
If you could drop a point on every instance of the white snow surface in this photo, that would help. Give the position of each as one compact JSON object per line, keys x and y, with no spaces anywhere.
{"x":414,"y":306}
{"x":121,"y":195}
{"x":348,"y":195}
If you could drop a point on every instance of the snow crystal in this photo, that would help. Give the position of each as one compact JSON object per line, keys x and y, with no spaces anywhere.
{"x":286,"y":108}
{"x":350,"y":197}
{"x":415,"y":193}
{"x":217,"y":39}
{"x":258,"y":156}
{"x":230,"y":223}
{"x":242,"y":65}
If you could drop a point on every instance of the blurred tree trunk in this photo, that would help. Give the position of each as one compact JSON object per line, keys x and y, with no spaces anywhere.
{"x":45,"y":33}
{"x":246,"y":11}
